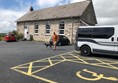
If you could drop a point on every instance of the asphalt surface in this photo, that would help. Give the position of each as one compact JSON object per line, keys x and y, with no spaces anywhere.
{"x":32,"y":62}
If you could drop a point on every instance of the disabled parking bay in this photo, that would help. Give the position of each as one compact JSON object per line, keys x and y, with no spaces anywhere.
{"x":70,"y":67}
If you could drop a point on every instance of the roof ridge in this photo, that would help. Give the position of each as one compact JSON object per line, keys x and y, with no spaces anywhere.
{"x":61,"y":5}
{"x":63,"y":11}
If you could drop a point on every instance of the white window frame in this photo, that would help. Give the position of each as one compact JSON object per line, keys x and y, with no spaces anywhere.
{"x":60,"y":27}
{"x":47,"y":27}
{"x":25,"y":25}
{"x":36,"y":29}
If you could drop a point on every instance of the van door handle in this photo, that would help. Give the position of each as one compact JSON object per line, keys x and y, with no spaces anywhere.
{"x":112,"y":39}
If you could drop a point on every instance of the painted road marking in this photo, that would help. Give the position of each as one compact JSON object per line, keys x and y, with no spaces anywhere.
{"x":30,"y":69}
{"x":96,"y":76}
{"x":72,"y":56}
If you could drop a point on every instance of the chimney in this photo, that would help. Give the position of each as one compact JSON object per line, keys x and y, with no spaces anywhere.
{"x":31,"y":9}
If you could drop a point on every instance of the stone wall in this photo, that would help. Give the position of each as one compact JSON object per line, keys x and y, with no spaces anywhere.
{"x":71,"y":26}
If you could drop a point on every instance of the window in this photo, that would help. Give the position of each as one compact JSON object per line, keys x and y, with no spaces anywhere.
{"x":61,"y":27}
{"x":105,"y":32}
{"x":36,"y":28}
{"x":85,"y":32}
{"x":25,"y":25}
{"x":47,"y":30}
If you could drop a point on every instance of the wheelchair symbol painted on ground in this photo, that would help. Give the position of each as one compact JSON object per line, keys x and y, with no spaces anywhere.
{"x":95,"y":77}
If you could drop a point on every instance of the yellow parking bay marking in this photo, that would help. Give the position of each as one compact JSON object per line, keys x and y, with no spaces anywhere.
{"x":46,"y":67}
{"x":37,"y":77}
{"x":73,"y":56}
{"x":96,"y":76}
{"x":107,"y":64}
{"x":80,"y":59}
{"x":30,"y":69}
{"x":50,"y":62}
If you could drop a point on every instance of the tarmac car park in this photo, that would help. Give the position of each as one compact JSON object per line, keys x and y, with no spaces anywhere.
{"x":32,"y":62}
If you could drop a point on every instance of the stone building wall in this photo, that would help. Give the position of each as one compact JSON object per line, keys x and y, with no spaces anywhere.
{"x":71,"y":26}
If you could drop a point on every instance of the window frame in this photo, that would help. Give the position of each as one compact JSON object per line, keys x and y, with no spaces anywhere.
{"x":36,"y":28}
{"x":47,"y":28}
{"x":62,"y":27}
{"x":25,"y":25}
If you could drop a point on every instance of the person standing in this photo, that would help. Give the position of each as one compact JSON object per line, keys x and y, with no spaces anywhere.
{"x":54,"y":40}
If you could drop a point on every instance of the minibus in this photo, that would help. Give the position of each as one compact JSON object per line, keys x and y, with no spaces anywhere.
{"x":97,"y":40}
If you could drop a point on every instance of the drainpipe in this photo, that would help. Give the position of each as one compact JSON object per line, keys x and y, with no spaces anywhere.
{"x":72,"y":30}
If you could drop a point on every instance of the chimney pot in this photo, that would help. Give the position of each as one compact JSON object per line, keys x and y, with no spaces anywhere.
{"x":31,"y":9}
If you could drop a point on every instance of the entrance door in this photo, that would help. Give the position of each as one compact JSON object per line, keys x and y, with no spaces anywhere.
{"x":25,"y":30}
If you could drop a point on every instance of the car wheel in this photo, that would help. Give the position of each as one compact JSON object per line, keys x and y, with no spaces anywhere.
{"x":59,"y":43}
{"x":85,"y":50}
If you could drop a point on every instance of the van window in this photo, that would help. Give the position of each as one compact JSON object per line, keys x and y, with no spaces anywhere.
{"x":85,"y":32}
{"x":103,"y":32}
{"x":96,"y":32}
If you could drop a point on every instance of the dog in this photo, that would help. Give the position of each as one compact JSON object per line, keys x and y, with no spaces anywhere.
{"x":48,"y":44}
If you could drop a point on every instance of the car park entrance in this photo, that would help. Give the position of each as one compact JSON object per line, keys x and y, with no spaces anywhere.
{"x":70,"y":68}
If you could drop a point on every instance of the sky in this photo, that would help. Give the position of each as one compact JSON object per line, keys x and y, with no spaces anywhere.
{"x":10,"y":10}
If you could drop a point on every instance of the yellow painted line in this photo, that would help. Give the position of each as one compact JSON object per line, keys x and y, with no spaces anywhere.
{"x":107,"y":64}
{"x":37,"y":77}
{"x":63,"y":57}
{"x":89,"y":79}
{"x":96,"y":76}
{"x":77,"y":61}
{"x":47,"y":67}
{"x":20,"y":71}
{"x":50,"y":61}
{"x":93,"y":64}
{"x":114,"y":63}
{"x":80,"y":59}
{"x":30,"y":69}
{"x":46,"y":80}
{"x":109,"y":61}
{"x":23,"y":67}
{"x":42,"y":60}
{"x":77,"y":51}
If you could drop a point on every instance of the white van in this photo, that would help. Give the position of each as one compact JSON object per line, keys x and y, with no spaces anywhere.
{"x":97,"y":39}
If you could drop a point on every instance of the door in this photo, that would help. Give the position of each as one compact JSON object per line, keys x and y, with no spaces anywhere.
{"x":25,"y":30}
{"x":105,"y":38}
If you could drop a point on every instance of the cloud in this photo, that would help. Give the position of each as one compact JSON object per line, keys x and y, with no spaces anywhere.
{"x":50,"y":3}
{"x":106,"y":11}
{"x":108,"y":21}
{"x":10,"y":15}
{"x":73,"y":1}
{"x":8,"y":18}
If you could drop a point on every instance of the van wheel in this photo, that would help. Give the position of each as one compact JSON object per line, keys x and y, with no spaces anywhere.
{"x":85,"y":51}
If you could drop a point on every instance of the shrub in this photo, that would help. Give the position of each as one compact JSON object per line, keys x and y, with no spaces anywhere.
{"x":18,"y":35}
{"x":0,"y":39}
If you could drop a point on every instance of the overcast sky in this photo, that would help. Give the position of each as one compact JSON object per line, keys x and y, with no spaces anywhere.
{"x":10,"y":10}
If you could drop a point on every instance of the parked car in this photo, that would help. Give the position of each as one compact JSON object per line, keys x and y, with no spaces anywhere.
{"x":63,"y":40}
{"x":9,"y":37}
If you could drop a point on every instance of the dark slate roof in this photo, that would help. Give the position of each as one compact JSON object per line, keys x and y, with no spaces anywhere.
{"x":63,"y":11}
